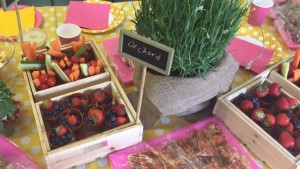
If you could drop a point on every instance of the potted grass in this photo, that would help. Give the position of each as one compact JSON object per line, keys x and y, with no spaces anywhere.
{"x":199,"y":31}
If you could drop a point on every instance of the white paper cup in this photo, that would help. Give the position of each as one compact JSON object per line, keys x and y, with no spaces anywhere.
{"x":68,"y":32}
{"x":259,"y":11}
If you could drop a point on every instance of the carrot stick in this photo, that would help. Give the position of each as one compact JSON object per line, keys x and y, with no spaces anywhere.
{"x":92,"y":70}
{"x":296,"y":76}
{"x":55,"y":53}
{"x":36,"y":74}
{"x":27,"y":50}
{"x":55,"y":45}
{"x":74,"y":46}
{"x":33,"y":48}
{"x":296,"y":59}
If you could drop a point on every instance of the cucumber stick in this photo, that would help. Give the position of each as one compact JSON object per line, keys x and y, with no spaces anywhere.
{"x":81,"y":50}
{"x":31,"y":65}
{"x":285,"y":69}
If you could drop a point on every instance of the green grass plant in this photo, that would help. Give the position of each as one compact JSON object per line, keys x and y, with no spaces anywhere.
{"x":198,"y":30}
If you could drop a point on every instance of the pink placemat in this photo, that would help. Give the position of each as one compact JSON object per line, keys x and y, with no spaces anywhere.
{"x":244,"y":51}
{"x":12,"y":154}
{"x":87,"y":15}
{"x":119,"y":159}
{"x":124,"y":71}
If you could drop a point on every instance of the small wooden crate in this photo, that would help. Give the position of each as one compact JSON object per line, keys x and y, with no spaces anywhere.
{"x":96,"y":144}
{"x":252,"y":135}
{"x":287,"y":85}
{"x":71,"y":86}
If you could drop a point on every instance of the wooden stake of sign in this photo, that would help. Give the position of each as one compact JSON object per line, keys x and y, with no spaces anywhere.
{"x":148,"y":53}
{"x":19,"y":22}
{"x":143,"y":78}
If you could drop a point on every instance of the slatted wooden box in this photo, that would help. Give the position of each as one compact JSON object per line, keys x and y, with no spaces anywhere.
{"x":71,"y":86}
{"x":95,"y":144}
{"x":252,"y":135}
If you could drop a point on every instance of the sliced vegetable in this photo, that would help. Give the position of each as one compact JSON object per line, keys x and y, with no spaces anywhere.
{"x":296,"y":76}
{"x":48,"y":61}
{"x":74,"y":46}
{"x":27,"y":50}
{"x":35,"y":74}
{"x":55,"y":53}
{"x":285,"y":69}
{"x":33,"y":50}
{"x":84,"y":69}
{"x":60,"y":72}
{"x":99,"y":62}
{"x":81,"y":50}
{"x":296,"y":59}
{"x":92,"y":70}
{"x":31,"y":65}
{"x":98,"y":69}
{"x":55,"y":45}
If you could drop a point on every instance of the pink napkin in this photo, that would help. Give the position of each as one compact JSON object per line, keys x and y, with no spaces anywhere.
{"x":87,"y":15}
{"x":124,"y":71}
{"x":244,"y":52}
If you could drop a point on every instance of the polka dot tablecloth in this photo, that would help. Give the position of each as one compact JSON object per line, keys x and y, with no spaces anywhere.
{"x":26,"y":136}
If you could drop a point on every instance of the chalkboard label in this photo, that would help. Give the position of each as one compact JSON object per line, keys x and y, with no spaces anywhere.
{"x":147,"y":52}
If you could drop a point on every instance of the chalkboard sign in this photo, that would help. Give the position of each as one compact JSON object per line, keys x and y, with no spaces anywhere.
{"x":6,"y":4}
{"x":147,"y":52}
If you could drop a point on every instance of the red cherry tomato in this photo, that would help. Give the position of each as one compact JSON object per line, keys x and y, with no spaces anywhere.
{"x":92,"y":63}
{"x":41,"y":57}
{"x":51,"y":81}
{"x":44,"y":78}
{"x":43,"y":86}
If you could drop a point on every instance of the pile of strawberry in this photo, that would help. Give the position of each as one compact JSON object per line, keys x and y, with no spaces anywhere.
{"x":76,"y":100}
{"x":277,"y":114}
{"x":71,"y":118}
{"x":59,"y":136}
{"x":116,"y":116}
{"x":93,"y":115}
{"x":52,"y":109}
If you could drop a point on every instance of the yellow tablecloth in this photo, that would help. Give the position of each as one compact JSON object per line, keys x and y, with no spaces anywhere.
{"x":26,"y":136}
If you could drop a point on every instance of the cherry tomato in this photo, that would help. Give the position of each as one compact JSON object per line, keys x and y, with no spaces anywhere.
{"x":51,"y":81}
{"x":43,"y":86}
{"x":44,"y":78}
{"x":41,"y":57}
{"x":75,"y":59}
{"x":92,"y":63}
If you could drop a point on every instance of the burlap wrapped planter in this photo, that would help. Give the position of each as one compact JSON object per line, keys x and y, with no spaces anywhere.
{"x":167,"y":95}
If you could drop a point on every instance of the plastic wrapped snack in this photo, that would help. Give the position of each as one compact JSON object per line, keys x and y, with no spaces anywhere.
{"x":287,"y":20}
{"x":206,"y":145}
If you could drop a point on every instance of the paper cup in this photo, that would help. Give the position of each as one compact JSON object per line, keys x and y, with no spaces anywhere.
{"x":259,"y":10}
{"x":68,"y":32}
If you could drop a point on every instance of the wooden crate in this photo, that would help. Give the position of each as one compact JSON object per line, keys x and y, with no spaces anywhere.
{"x":250,"y":134}
{"x":96,"y":144}
{"x":71,"y":86}
{"x":287,"y":85}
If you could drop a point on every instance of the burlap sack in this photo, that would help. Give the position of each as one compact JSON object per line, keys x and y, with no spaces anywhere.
{"x":166,"y":95}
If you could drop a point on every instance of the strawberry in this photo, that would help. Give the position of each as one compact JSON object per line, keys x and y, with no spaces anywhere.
{"x":258,"y":115}
{"x":246,"y":106}
{"x":261,"y":91}
{"x":293,"y":103}
{"x":274,"y":89}
{"x":282,"y":119}
{"x":72,"y":120}
{"x":289,"y":128}
{"x":120,"y":109}
{"x":96,"y":115}
{"x":99,"y":96}
{"x":298,"y":142}
{"x":121,"y":120}
{"x":269,"y":121}
{"x":83,"y":102}
{"x":76,"y":101}
{"x":61,"y":130}
{"x":48,"y":104}
{"x":282,"y":104}
{"x":286,"y":139}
